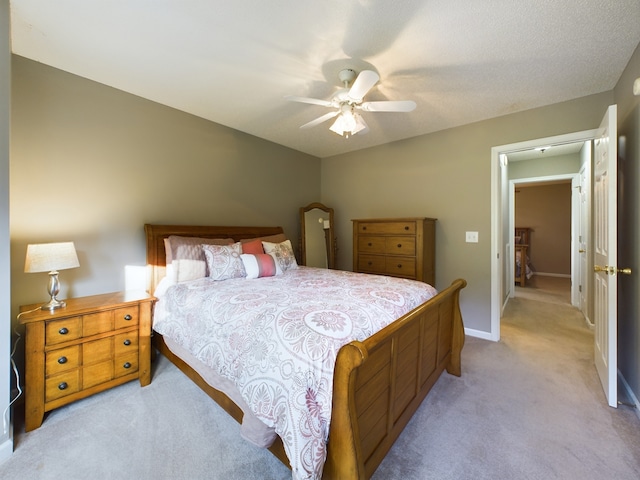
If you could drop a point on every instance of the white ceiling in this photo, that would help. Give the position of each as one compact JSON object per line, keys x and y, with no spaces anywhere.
{"x":232,"y":62}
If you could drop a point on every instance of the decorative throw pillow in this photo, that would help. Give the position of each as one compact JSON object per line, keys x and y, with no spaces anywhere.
{"x":185,"y":258}
{"x":260,"y":265}
{"x":223,"y":261}
{"x":283,"y":253}
{"x":254,"y":247}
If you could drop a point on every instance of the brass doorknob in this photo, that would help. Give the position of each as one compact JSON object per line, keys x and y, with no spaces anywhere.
{"x":581,"y":251}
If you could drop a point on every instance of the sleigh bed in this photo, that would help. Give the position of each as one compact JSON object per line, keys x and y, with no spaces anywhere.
{"x":378,"y":382}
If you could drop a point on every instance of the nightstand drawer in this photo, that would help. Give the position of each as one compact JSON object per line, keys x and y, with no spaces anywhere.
{"x":59,"y":331}
{"x":61,"y":360}
{"x":126,"y":343}
{"x":97,"y":373}
{"x":96,"y":323}
{"x":126,"y":317}
{"x":62,"y":385}
{"x":126,"y":364}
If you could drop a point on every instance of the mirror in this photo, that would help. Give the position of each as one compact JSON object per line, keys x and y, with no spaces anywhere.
{"x":317,"y":241}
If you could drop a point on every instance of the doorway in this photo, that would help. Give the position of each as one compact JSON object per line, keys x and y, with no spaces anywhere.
{"x":501,"y":217}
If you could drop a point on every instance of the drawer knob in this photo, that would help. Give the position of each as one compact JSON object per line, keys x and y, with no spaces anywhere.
{"x":406,"y":227}
{"x":127,"y":317}
{"x":63,"y":386}
{"x":369,"y":263}
{"x":399,"y":265}
{"x":127,"y":342}
{"x":62,"y":360}
{"x":369,"y":244}
{"x":63,"y":331}
{"x":127,"y":365}
{"x":364,"y":228}
{"x":399,"y":245}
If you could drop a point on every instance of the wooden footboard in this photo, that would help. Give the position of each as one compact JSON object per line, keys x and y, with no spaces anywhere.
{"x":380,"y":383}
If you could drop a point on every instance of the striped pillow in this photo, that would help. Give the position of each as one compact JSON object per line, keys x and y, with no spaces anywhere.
{"x":259,"y":265}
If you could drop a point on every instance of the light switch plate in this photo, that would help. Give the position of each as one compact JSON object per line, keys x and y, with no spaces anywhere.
{"x":472,"y":237}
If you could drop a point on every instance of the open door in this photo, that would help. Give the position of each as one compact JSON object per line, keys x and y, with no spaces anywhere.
{"x":605,"y":254}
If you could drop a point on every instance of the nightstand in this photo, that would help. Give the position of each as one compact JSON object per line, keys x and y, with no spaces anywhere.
{"x":92,"y":344}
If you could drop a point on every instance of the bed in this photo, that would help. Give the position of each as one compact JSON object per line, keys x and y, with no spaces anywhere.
{"x":377,"y":382}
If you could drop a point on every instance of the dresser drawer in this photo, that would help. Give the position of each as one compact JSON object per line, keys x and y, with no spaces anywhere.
{"x":387,"y":228}
{"x":372,"y":264}
{"x":62,"y":385}
{"x":59,"y":331}
{"x":126,"y":342}
{"x":400,"y":246}
{"x":126,"y":364}
{"x":401,"y":266}
{"x":57,"y":361}
{"x":126,"y":317}
{"x":371,"y":244}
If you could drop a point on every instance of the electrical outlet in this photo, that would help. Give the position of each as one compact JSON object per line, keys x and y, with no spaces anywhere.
{"x":472,"y":237}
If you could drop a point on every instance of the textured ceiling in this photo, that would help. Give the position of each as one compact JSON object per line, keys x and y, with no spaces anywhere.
{"x":233,"y":62}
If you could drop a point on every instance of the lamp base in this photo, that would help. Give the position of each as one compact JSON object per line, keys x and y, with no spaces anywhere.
{"x":53,"y":304}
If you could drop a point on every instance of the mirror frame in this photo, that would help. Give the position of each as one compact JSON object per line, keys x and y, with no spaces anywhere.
{"x":331,"y":244}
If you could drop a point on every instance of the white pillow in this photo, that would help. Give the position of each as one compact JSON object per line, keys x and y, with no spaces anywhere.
{"x":223,"y":261}
{"x":283,"y":253}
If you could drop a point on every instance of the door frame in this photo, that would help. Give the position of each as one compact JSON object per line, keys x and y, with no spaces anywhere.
{"x":499,"y":217}
{"x":511,"y":213}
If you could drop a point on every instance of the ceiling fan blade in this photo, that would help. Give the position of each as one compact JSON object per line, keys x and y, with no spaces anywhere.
{"x":321,"y":119}
{"x":389,"y":106}
{"x":362,"y":84}
{"x":313,"y":101}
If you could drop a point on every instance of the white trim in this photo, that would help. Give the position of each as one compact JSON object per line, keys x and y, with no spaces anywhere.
{"x":559,"y":275}
{"x":496,"y":217}
{"x":6,"y":450}
{"x":477,"y":333}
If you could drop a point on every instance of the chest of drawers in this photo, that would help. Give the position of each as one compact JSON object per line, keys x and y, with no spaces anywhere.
{"x":92,"y":344}
{"x":401,"y":247}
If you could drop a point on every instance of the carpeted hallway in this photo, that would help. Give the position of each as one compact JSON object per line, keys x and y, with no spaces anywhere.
{"x":527,"y":407}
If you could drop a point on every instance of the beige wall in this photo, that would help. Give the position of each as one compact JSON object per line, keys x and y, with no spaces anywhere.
{"x":546,"y":209}
{"x":92,"y":164}
{"x":6,"y":444}
{"x":446,"y":175}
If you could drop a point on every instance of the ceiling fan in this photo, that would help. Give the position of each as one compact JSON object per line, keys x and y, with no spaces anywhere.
{"x":346,"y":103}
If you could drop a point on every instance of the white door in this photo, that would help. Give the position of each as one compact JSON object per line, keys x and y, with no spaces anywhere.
{"x":583,"y":235}
{"x":605,"y":255}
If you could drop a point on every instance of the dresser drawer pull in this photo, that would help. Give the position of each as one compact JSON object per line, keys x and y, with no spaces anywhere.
{"x":399,"y":265}
{"x":406,"y":227}
{"x":127,"y":317}
{"x":369,"y":263}
{"x":399,"y":245}
{"x":369,"y":244}
{"x":127,"y":342}
{"x":63,"y":386}
{"x":127,"y":365}
{"x":63,"y":331}
{"x":364,"y":228}
{"x":62,"y":360}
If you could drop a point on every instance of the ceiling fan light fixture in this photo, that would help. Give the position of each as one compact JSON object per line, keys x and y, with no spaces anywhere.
{"x":348,"y":123}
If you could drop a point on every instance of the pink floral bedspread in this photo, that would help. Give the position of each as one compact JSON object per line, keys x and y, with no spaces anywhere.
{"x":277,"y":339}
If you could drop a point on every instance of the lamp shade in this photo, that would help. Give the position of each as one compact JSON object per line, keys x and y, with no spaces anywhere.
{"x":49,"y":257}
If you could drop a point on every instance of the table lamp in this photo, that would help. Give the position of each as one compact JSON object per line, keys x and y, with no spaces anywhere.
{"x":51,"y":257}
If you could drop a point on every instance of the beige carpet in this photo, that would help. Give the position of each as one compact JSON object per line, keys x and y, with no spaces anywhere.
{"x":528,"y":407}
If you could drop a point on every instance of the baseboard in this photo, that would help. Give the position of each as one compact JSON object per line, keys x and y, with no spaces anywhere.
{"x":629,"y":392}
{"x":478,"y":334}
{"x":559,"y":275}
{"x":6,"y":450}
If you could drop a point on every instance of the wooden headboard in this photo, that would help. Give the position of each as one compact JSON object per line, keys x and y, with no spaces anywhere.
{"x":155,"y":234}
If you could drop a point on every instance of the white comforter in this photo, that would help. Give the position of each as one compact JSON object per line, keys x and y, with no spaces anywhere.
{"x":277,"y":339}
